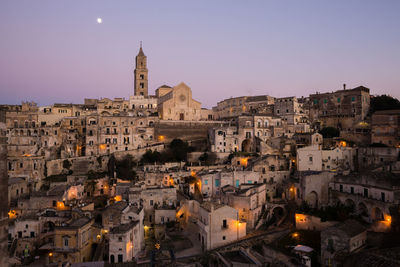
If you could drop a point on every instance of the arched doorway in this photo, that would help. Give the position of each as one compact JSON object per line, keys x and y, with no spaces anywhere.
{"x":312,"y":200}
{"x":362,"y":209}
{"x":349,"y":203}
{"x":246,"y":145}
{"x":377,"y":214}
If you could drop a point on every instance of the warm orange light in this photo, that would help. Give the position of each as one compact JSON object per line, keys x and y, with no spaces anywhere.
{"x":243,"y":161}
{"x":60,"y":205}
{"x":27,"y":155}
{"x":291,"y":189}
{"x":343,"y":144}
{"x":12,"y":214}
{"x":193,"y":173}
{"x":102,"y":146}
{"x":118,"y":198}
{"x":388,"y":218}
{"x":50,"y":254}
{"x":161,"y":138}
{"x":294,"y":235}
{"x":299,"y":217}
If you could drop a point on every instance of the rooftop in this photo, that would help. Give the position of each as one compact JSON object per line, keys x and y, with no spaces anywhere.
{"x":350,"y":227}
{"x":211,"y":205}
{"x":123,"y":228}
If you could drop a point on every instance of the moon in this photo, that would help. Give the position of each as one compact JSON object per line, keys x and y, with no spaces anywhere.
{"x":99,"y":20}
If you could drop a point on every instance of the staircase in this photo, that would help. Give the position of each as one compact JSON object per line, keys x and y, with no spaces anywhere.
{"x":13,"y":247}
{"x":98,"y":254}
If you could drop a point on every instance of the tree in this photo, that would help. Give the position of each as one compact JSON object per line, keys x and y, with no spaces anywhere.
{"x":383,"y":102}
{"x":66,"y":164}
{"x":124,"y":168}
{"x":151,"y":157}
{"x":179,"y":149}
{"x":329,"y":132}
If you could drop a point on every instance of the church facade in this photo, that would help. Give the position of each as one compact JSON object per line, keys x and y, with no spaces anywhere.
{"x":173,"y":103}
{"x":176,"y":103}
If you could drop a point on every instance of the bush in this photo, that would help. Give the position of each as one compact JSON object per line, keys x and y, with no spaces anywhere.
{"x":151,"y":157}
{"x":124,"y":168}
{"x":330,"y":132}
{"x":383,"y":102}
{"x":66,"y":164}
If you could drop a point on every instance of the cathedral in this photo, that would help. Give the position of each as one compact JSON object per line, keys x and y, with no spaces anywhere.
{"x":173,"y":103}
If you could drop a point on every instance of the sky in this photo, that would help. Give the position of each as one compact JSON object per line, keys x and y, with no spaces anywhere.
{"x":56,"y":52}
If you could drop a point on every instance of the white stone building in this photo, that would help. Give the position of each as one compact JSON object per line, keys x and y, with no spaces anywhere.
{"x":218,"y":225}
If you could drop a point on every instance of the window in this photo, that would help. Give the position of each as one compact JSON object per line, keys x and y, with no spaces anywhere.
{"x":383,"y":196}
{"x":223,"y":238}
{"x":352,"y":190}
{"x":120,"y":258}
{"x":237,"y":183}
{"x":119,"y":239}
{"x":338,"y":99}
{"x":206,"y":182}
{"x":224,"y":225}
{"x":151,"y":202}
{"x":365,"y":192}
{"x":325,"y":101}
{"x":310,"y":159}
{"x":315,"y":101}
{"x":353,"y":99}
{"x":66,"y":242}
{"x":217,"y":182}
{"x":142,"y":85}
{"x":341,"y":188}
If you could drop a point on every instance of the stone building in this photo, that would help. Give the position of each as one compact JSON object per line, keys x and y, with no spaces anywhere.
{"x":124,"y":242}
{"x":211,"y":183}
{"x":373,"y":158}
{"x":386,"y":128}
{"x":73,"y":242}
{"x":249,"y":200}
{"x":236,"y":106}
{"x":109,"y":134}
{"x":371,"y":195}
{"x":157,"y":198}
{"x":341,"y":109}
{"x":177,"y":104}
{"x":341,"y":240}
{"x":290,"y":110}
{"x":314,"y":158}
{"x":218,"y":225}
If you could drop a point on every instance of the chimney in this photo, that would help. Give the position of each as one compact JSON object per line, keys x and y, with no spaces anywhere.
{"x":344,"y":86}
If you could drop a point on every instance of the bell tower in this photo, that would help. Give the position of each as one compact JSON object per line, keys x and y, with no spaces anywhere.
{"x":141,"y":74}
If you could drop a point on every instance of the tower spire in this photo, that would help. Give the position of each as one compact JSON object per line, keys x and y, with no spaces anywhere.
{"x":141,"y":73}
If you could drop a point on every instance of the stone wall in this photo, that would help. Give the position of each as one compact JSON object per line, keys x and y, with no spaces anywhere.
{"x":166,"y":131}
